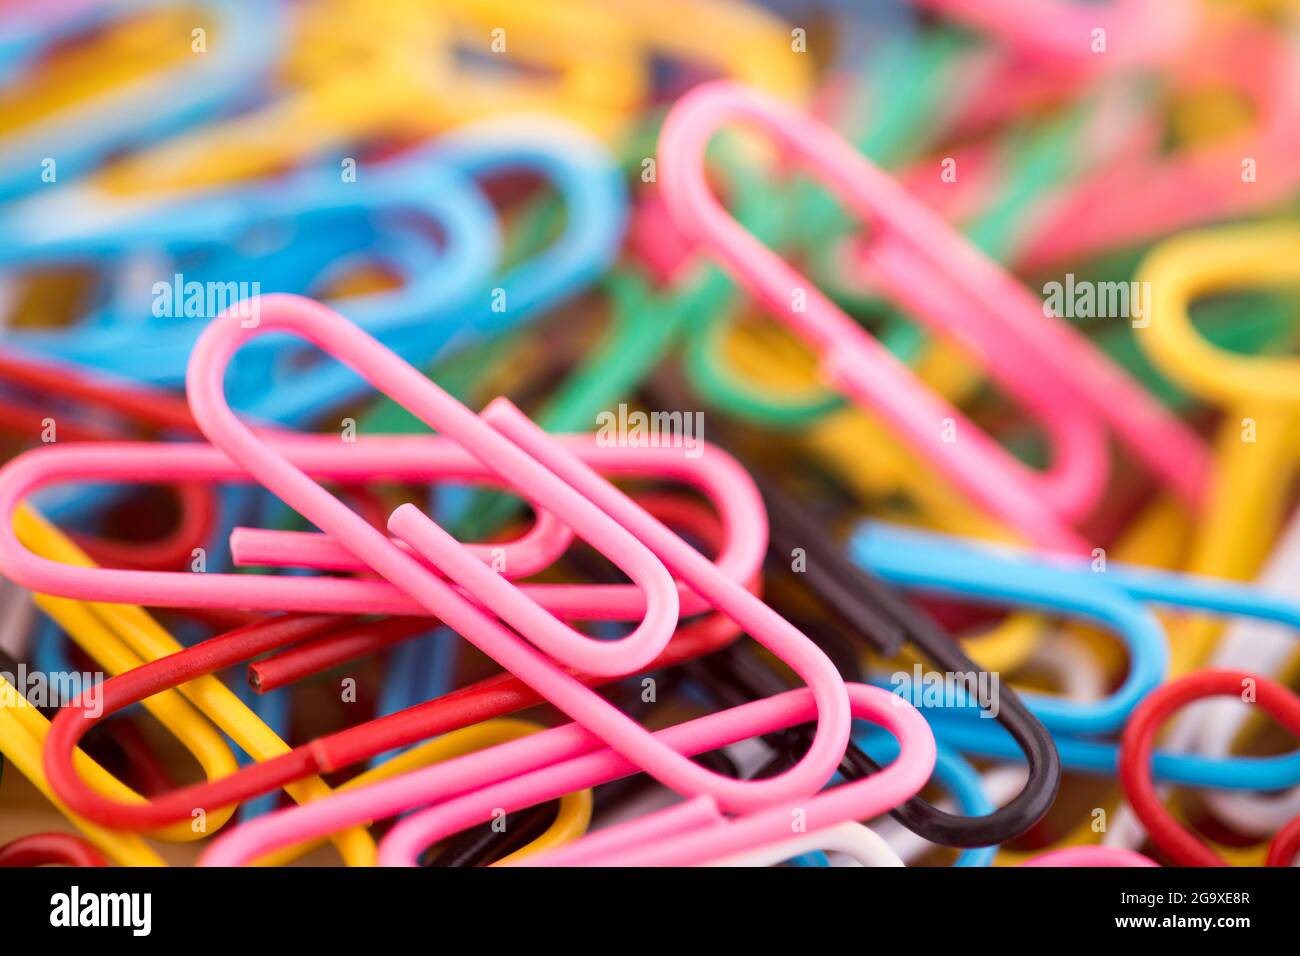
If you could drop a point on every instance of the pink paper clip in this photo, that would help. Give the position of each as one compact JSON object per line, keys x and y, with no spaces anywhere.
{"x":521,"y":773}
{"x":717,"y":476}
{"x":1144,"y":197}
{"x":547,"y":475}
{"x":689,"y":835}
{"x":926,"y":267}
{"x":1091,"y":856}
{"x":1135,"y":32}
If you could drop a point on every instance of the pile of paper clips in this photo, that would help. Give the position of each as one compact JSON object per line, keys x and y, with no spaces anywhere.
{"x":605,"y":432}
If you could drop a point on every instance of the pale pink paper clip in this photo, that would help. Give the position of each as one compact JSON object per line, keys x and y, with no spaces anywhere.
{"x":923,"y":265}
{"x":549,"y":477}
{"x":521,"y":773}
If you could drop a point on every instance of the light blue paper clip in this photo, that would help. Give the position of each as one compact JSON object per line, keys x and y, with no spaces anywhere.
{"x":80,"y":138}
{"x":1115,"y":597}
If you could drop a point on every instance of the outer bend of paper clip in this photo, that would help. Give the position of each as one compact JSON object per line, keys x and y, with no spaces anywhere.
{"x":974,"y":569}
{"x":21,"y":741}
{"x":922,"y":559}
{"x":831,"y":573}
{"x":1265,"y":255}
{"x":926,"y":265}
{"x":550,"y":477}
{"x":521,"y":773}
{"x":1139,"y":738}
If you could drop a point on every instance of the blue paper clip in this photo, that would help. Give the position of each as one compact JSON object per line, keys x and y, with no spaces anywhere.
{"x":451,"y":304}
{"x":82,"y":137}
{"x":155,"y":349}
{"x":996,"y":574}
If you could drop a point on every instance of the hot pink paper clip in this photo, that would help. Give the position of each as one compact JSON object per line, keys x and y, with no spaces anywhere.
{"x":1091,"y":856}
{"x":926,"y":267}
{"x":716,"y":475}
{"x":107,"y":460}
{"x":1144,"y":197}
{"x":549,"y":477}
{"x":1134,"y":32}
{"x":698,"y":834}
{"x":468,"y":789}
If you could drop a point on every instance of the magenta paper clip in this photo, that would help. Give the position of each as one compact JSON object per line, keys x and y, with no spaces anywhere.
{"x":926,"y":267}
{"x":469,"y":789}
{"x":579,"y":497}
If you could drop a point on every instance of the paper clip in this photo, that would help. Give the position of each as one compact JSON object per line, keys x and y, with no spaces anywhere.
{"x":125,"y":112}
{"x":858,"y":366}
{"x":156,"y":350}
{"x":1139,"y":738}
{"x":918,"y":559}
{"x":1247,"y":495}
{"x":830,"y":574}
{"x":580,"y":495}
{"x":565,"y":758}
